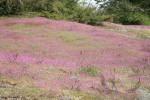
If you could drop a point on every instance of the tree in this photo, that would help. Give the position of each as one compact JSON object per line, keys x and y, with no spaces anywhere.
{"x":124,"y":11}
{"x":11,"y":6}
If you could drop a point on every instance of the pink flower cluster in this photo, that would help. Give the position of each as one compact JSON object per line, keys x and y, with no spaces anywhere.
{"x":13,"y":57}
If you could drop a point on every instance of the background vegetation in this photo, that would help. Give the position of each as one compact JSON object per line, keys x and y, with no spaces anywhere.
{"x":118,"y":11}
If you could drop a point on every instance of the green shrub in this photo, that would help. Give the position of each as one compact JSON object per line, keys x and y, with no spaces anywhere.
{"x":136,"y":19}
{"x":11,"y":7}
{"x":125,"y":12}
{"x":89,"y":70}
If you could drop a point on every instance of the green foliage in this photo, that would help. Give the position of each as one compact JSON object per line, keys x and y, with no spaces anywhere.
{"x":87,"y":15}
{"x":136,"y":19}
{"x":70,"y":37}
{"x":125,"y":12}
{"x":55,"y":9}
{"x":118,"y":11}
{"x":89,"y":70}
{"x":11,"y":7}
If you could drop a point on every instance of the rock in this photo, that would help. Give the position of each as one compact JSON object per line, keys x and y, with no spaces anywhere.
{"x":143,"y":94}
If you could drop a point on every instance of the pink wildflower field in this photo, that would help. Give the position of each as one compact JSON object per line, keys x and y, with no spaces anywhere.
{"x":73,"y":61}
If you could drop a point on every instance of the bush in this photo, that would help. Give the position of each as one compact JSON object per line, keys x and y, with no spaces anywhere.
{"x":89,"y":70}
{"x":11,"y":7}
{"x":136,"y":19}
{"x":126,"y":13}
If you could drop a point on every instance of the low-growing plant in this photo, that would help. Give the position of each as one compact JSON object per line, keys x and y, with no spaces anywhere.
{"x":12,"y":58}
{"x":146,"y":47}
{"x":74,"y":83}
{"x":135,"y":87}
{"x":104,"y":84}
{"x":113,"y":80}
{"x":81,"y":59}
{"x":41,"y":60}
{"x":89,"y":70}
{"x":146,"y":65}
{"x":106,"y":88}
{"x":136,"y":70}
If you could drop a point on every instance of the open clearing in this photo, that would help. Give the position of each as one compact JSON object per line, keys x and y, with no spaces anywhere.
{"x":42,"y":59}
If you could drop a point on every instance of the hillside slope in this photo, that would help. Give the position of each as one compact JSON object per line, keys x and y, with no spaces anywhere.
{"x":68,"y":60}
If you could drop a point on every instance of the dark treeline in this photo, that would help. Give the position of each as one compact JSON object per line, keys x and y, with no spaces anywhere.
{"x":118,"y":11}
{"x":126,"y":11}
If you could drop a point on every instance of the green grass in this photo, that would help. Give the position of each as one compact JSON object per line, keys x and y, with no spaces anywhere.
{"x":142,"y":33}
{"x":24,"y":28}
{"x":89,"y":70}
{"x":64,"y":35}
{"x":145,"y":33}
{"x":70,"y":37}
{"x":78,"y":95}
{"x":27,"y":93}
{"x":18,"y":26}
{"x":7,"y":46}
{"x":15,"y":92}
